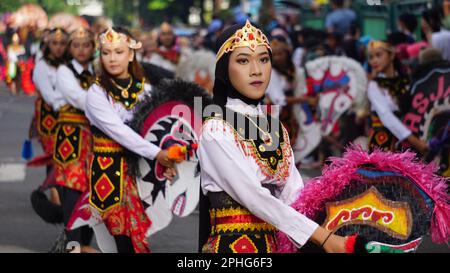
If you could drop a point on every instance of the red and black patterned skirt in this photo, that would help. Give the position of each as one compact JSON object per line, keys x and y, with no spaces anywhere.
{"x":379,"y":136}
{"x":72,"y":151}
{"x":115,"y":195}
{"x":235,"y":230}
{"x":46,"y":123}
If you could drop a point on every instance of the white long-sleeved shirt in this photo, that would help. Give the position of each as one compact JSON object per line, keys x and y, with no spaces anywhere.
{"x":69,"y":87}
{"x":44,"y":77}
{"x":383,"y":104}
{"x":110,"y":116}
{"x":441,"y":41}
{"x":225,"y":167}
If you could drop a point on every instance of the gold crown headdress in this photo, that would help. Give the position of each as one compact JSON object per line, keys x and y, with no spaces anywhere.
{"x":112,"y":37}
{"x":247,"y":36}
{"x":57,"y":34}
{"x":380,"y":44}
{"x":81,"y":33}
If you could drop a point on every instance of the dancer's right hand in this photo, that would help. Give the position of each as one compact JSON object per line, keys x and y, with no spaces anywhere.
{"x":329,"y":242}
{"x":163,"y":158}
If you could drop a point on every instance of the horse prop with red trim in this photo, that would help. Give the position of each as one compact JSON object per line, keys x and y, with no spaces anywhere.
{"x":169,"y":120}
{"x":341,"y":84}
{"x":390,"y":199}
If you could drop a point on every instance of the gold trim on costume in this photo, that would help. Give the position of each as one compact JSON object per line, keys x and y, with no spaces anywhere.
{"x":216,"y":214}
{"x":104,"y":145}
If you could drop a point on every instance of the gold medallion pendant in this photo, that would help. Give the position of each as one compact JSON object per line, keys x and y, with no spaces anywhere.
{"x":125,"y":94}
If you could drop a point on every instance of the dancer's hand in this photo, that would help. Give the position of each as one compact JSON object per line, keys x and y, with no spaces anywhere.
{"x":170,"y":173}
{"x":329,"y":242}
{"x":335,"y":244}
{"x":163,"y":158}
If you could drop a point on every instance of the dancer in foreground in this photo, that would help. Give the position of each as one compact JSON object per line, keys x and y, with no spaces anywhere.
{"x":247,"y":166}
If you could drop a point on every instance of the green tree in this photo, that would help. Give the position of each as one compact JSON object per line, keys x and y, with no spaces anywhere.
{"x":50,"y":6}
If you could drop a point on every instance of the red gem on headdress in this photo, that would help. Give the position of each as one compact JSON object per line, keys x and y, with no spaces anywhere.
{"x":251,"y":37}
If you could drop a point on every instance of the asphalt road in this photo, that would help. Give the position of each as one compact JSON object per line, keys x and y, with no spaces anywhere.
{"x":21,"y":230}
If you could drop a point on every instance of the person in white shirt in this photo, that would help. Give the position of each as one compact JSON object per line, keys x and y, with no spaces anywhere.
{"x":168,"y":53}
{"x":73,"y":139}
{"x":48,"y":100}
{"x":284,"y":80}
{"x":248,"y":175}
{"x":110,"y":103}
{"x":388,"y":97}
{"x":436,"y":34}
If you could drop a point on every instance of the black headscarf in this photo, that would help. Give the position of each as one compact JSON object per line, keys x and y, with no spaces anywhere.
{"x":222,"y":85}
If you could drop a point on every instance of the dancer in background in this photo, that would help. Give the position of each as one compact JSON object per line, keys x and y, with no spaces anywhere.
{"x":49,"y":101}
{"x":110,"y":103}
{"x":389,"y":99}
{"x":73,"y":139}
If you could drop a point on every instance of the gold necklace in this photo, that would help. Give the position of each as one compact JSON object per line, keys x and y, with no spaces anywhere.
{"x":124,"y":92}
{"x":267,"y":138}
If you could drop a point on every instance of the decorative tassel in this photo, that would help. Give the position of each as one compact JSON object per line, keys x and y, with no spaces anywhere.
{"x":27,"y":150}
{"x":440,"y":221}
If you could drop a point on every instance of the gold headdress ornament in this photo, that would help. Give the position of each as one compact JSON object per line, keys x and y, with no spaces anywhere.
{"x":57,"y":34}
{"x":380,"y":44}
{"x":112,"y":37}
{"x":247,"y":36}
{"x":81,"y":33}
{"x":165,"y":27}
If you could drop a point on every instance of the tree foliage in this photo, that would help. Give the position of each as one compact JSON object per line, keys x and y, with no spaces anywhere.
{"x":50,"y":6}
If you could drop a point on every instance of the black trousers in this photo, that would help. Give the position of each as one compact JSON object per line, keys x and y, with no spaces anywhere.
{"x":69,"y":198}
{"x":124,"y":244}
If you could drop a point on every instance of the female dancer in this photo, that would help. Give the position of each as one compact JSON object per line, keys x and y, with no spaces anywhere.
{"x":110,"y":103}
{"x":49,"y":101}
{"x":389,"y":98}
{"x":248,"y":169}
{"x":284,"y":80}
{"x":73,"y":138}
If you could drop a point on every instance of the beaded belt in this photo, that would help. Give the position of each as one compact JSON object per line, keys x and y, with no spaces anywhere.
{"x":375,"y":121}
{"x":67,"y":117}
{"x":237,"y":220}
{"x":106,"y":145}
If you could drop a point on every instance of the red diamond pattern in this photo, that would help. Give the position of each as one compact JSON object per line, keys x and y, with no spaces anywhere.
{"x":49,"y":122}
{"x":243,"y":245}
{"x":66,"y":149}
{"x":104,"y":162}
{"x":104,"y":187}
{"x":68,"y":130}
{"x":381,"y":137}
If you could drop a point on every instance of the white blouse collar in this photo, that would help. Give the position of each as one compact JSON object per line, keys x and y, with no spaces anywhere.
{"x":243,"y":108}
{"x":79,"y":68}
